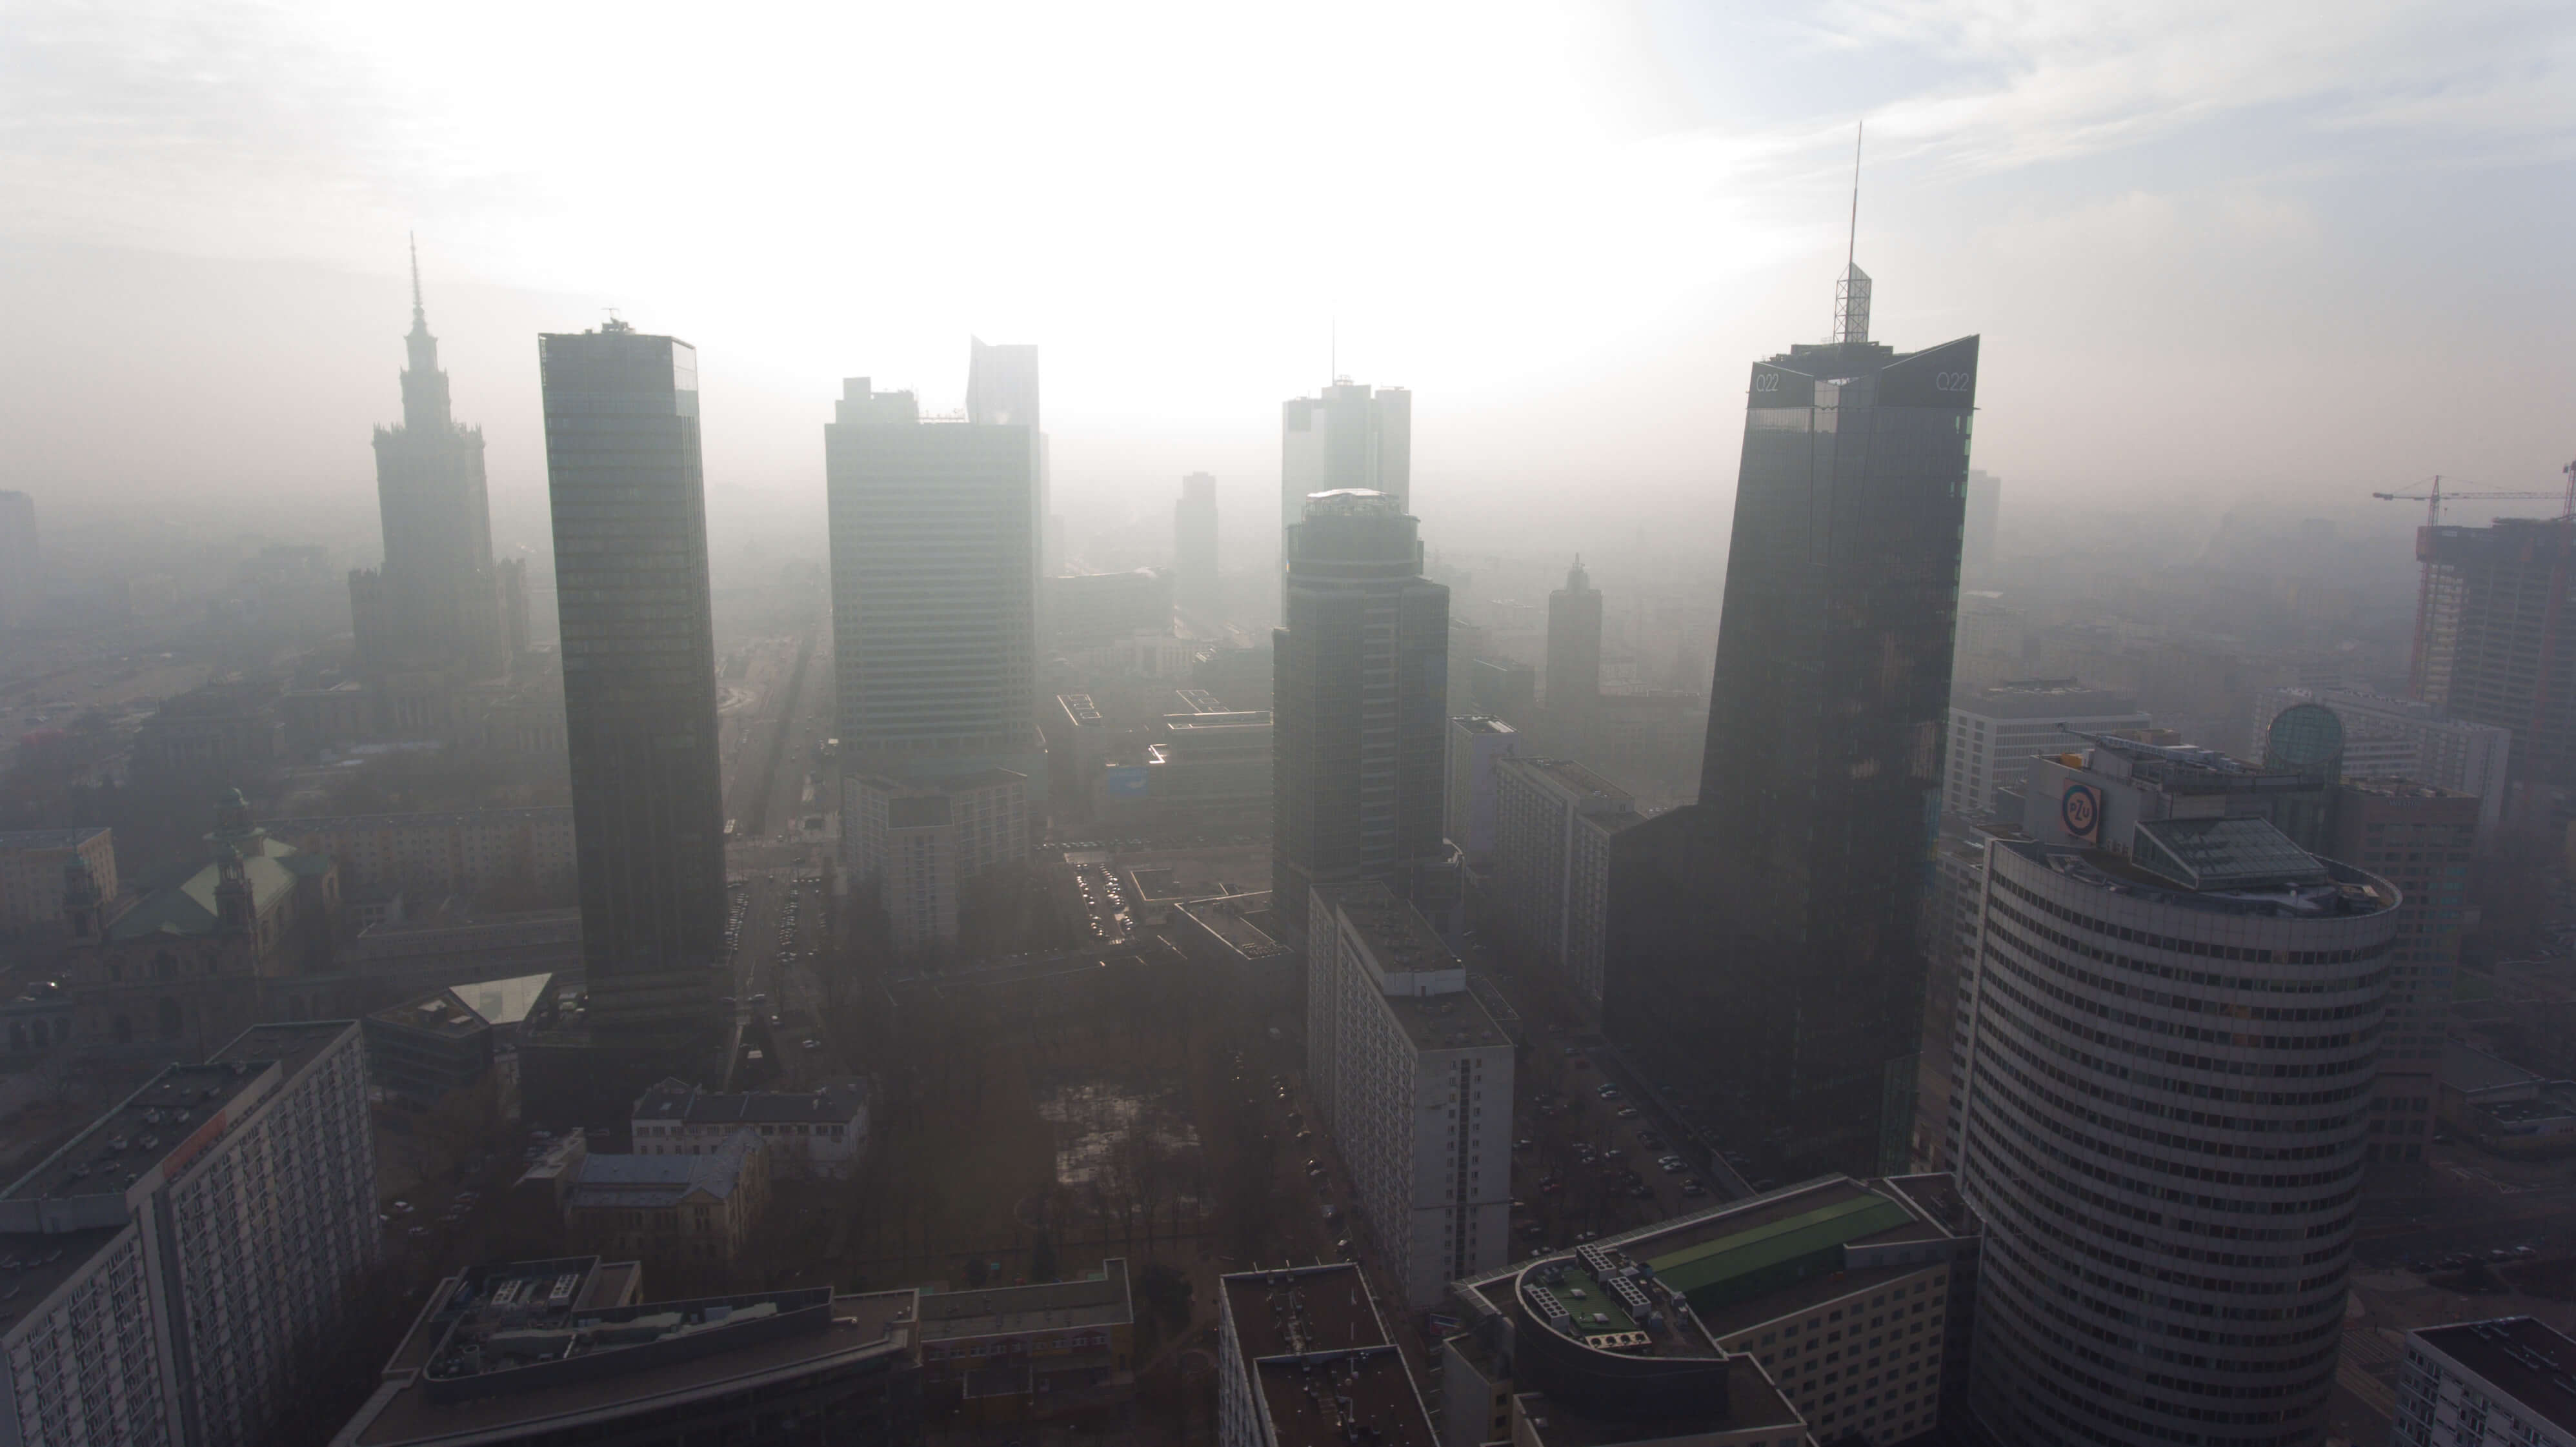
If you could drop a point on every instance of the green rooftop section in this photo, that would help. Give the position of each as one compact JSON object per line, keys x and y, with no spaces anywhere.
{"x":1594,"y":1299}
{"x":1764,"y":1258}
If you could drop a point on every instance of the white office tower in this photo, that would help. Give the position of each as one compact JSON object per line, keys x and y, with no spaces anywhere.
{"x":2400,"y":738}
{"x":924,"y":841}
{"x":1553,"y":823}
{"x":183,"y":1265}
{"x":2509,"y":1382}
{"x":1351,"y":436}
{"x":1476,"y":745}
{"x":2174,"y":1030}
{"x":934,"y":529}
{"x":1414,"y":1082}
{"x":1996,"y":732}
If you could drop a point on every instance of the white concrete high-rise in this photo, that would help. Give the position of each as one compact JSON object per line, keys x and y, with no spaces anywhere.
{"x":2173,"y":1032}
{"x":1476,"y":745}
{"x":2401,"y":738}
{"x":1996,"y":732}
{"x":1554,"y":820}
{"x":934,"y":532}
{"x":1413,"y":1080}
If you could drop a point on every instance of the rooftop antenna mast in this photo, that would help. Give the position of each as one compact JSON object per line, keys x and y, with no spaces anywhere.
{"x":1851,"y":294}
{"x":417,"y":314}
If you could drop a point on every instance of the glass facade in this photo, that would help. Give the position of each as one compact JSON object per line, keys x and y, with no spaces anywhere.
{"x":628,"y":495}
{"x":1763,"y":962}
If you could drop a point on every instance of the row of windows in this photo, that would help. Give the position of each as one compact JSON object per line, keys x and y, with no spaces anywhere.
{"x":2198,"y":947}
{"x":2192,"y":1004}
{"x":2279,"y":1069}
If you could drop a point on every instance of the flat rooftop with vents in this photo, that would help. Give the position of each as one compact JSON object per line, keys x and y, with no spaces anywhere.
{"x":1316,"y":1362}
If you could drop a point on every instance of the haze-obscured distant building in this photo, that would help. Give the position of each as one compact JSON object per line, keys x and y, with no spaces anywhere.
{"x":1574,"y":663}
{"x":1358,"y":705}
{"x":432,"y":855}
{"x":2404,"y":738}
{"x":1996,"y":732}
{"x":1763,"y":954}
{"x":1348,"y":436}
{"x":1504,"y":689}
{"x":186,"y":1260}
{"x":2487,"y":646}
{"x":934,"y":527}
{"x":21,"y":562}
{"x":1413,"y":1079}
{"x":1977,"y":528}
{"x":919,"y":843}
{"x":31,"y":872}
{"x":1092,"y":609}
{"x":817,"y":1134}
{"x":630,"y":529}
{"x":1198,"y":588}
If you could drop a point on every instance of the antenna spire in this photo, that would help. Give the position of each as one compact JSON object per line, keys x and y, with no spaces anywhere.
{"x":1851,"y":294}
{"x":417,"y":315}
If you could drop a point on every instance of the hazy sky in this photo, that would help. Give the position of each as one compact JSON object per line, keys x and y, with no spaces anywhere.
{"x":2300,"y":249}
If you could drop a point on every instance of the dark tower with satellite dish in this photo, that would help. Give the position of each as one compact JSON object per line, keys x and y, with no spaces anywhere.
{"x":1762,"y":950}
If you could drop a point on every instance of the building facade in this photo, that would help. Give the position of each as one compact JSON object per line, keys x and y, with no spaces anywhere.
{"x":1358,"y":703}
{"x":1476,"y":746}
{"x":2176,"y":1024}
{"x":187,"y":1258}
{"x":817,"y":1135}
{"x":2487,"y":648}
{"x":1574,"y":663}
{"x":2424,"y":841}
{"x":686,"y":1215}
{"x":2500,"y":1383}
{"x":1044,"y":1349}
{"x":429,"y":856}
{"x":917,"y":844}
{"x":1554,"y":823}
{"x":1414,"y":1082}
{"x":630,"y":525}
{"x":1763,"y":953}
{"x":1996,"y":732}
{"x":934,"y":529}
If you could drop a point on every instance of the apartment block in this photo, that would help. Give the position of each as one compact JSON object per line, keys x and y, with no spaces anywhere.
{"x":1553,"y":823}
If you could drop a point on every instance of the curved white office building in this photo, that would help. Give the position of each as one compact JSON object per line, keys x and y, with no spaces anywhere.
{"x":2168,"y":1071}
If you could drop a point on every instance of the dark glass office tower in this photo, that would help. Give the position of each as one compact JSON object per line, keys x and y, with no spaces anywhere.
{"x":1763,"y":962}
{"x":1360,"y":684}
{"x":639,"y":679}
{"x":1574,"y":663}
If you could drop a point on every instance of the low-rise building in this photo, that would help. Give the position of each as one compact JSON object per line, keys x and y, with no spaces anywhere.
{"x":568,"y":1350}
{"x":2510,"y":1382}
{"x":1832,"y":1311}
{"x":1010,"y":1353}
{"x":819,"y":1134}
{"x":1304,"y":1360}
{"x":174,"y":1272}
{"x":689,"y":1215}
{"x":429,"y":855}
{"x":453,"y":1038}
{"x":1413,"y":1080}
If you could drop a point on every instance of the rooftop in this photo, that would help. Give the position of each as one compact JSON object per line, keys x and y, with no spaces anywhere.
{"x":2223,"y":854}
{"x":1010,"y":1310}
{"x":1296,"y":1311}
{"x":548,"y":814}
{"x":461,"y":1010}
{"x":2343,"y":892}
{"x":509,"y":1351}
{"x":1453,"y":1021}
{"x":1080,"y":710}
{"x":1399,"y":940}
{"x":670,"y":1100}
{"x":2527,"y":1361}
{"x":1481,"y":725}
{"x":1367,"y":1399}
{"x":645,"y":1182}
{"x":1590,"y":788}
{"x":1752,"y":1404}
{"x":155,"y":1126}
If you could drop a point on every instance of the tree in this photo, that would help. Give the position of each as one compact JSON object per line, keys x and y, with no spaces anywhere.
{"x":1042,"y":1263}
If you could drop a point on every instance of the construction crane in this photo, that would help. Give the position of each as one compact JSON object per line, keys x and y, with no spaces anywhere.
{"x":2433,"y":497}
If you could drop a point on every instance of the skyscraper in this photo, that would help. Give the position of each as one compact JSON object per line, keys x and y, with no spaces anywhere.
{"x":1348,"y":437}
{"x":1762,"y":958}
{"x":1002,"y":391}
{"x":19,"y":570}
{"x":1574,"y":662}
{"x":439,"y":602}
{"x":1358,"y":704}
{"x":934,"y":528}
{"x":2488,"y":649}
{"x":2174,"y":1022}
{"x":1977,"y":535}
{"x":1197,"y":591}
{"x":630,"y":524}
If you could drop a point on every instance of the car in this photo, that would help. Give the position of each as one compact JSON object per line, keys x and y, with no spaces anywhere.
{"x":1668,"y":1166}
{"x":402,"y":1208}
{"x":760,"y":999}
{"x":724,"y":999}
{"x":1628,"y":1112}
{"x":1640,"y":1191}
{"x":1694,"y":1188}
{"x":1650,"y":1140}
{"x":812,"y":1044}
{"x":1612,"y":1094}
{"x":417,"y":1232}
{"x":1522,"y":1144}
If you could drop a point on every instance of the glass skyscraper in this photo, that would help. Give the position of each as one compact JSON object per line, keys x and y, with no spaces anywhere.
{"x":1762,"y":962}
{"x":630,"y":524}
